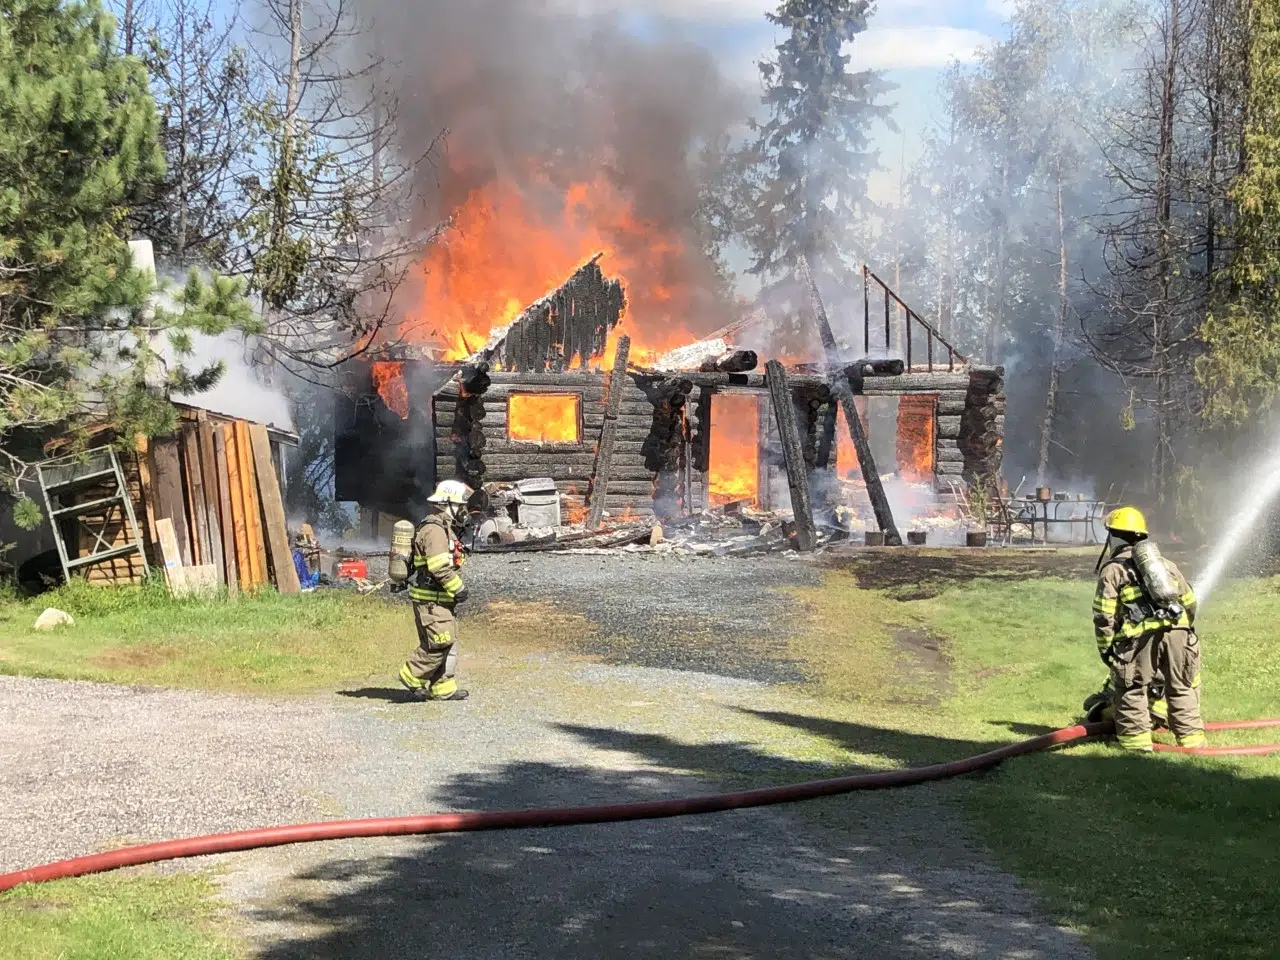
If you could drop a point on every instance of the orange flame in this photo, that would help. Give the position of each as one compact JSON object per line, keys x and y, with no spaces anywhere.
{"x":544,"y":417}
{"x":388,"y":378}
{"x":916,"y":428}
{"x":735,"y":448}
{"x":574,"y":505}
{"x":509,"y":246}
{"x":846,"y":456}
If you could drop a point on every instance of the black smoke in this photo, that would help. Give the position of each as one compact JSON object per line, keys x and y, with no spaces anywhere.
{"x":535,"y":96}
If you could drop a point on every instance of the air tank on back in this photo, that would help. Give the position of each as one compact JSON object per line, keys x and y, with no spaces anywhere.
{"x":401,"y":550}
{"x":1156,"y":577}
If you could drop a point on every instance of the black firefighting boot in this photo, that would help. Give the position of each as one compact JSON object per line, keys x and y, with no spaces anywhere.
{"x":458,"y":694}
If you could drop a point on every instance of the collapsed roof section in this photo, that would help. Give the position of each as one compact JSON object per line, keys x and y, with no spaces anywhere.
{"x":567,"y":328}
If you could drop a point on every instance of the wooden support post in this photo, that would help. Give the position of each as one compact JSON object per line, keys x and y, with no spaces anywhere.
{"x":608,"y":432}
{"x":166,"y":480}
{"x":239,"y":524}
{"x":764,"y":457}
{"x":226,"y":517}
{"x":844,"y":386}
{"x":142,"y":445}
{"x":784,"y":412}
{"x":252,"y":506}
{"x":275,"y":526}
{"x":196,"y":508}
{"x":827,"y":453}
{"x":212,"y":482}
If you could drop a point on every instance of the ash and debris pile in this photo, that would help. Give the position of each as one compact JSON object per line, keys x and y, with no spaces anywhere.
{"x":532,"y":516}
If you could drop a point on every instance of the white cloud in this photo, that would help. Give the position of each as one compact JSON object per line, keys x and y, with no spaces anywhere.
{"x":901,"y":48}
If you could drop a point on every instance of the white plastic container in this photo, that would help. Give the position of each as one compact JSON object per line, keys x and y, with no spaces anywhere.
{"x":539,"y":504}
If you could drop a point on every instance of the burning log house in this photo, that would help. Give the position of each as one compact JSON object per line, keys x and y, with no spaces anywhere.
{"x":635,"y":441}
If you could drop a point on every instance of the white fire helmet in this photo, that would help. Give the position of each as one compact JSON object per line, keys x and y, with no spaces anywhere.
{"x":451,"y":491}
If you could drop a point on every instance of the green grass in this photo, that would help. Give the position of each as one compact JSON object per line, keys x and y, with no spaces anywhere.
{"x":113,"y":918}
{"x":268,"y":643}
{"x":1150,"y":856}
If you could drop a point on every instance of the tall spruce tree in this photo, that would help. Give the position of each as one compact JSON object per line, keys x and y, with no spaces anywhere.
{"x":1240,"y":368}
{"x":812,"y":155}
{"x":80,"y":327}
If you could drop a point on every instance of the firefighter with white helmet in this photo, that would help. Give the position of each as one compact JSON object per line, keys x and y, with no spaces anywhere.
{"x":1143,"y":612}
{"x":436,"y":588}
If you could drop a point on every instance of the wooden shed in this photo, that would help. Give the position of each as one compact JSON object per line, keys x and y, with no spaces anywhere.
{"x":177,"y":478}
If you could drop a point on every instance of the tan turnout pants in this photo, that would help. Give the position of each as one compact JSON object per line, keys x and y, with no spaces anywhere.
{"x":433,"y":662}
{"x":1173,"y":655}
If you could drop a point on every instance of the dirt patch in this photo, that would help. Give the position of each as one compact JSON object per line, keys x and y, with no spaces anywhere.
{"x":917,"y":575}
{"x":141,"y":656}
{"x":927,"y":669}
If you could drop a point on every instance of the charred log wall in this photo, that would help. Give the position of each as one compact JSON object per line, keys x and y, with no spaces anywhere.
{"x":570,"y":465}
{"x":665,"y":447}
{"x":698,"y":457}
{"x":969,"y":420}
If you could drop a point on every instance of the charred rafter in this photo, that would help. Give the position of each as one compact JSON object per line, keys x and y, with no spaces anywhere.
{"x":567,"y":328}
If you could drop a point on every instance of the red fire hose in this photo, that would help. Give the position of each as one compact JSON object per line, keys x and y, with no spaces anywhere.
{"x":573,"y":816}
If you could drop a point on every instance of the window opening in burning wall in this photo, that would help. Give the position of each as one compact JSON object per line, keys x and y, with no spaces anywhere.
{"x":544,"y":417}
{"x":734,"y":468}
{"x":902,"y":433}
{"x":917,"y":427}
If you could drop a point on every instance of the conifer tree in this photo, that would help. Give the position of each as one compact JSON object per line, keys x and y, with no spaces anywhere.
{"x":812,"y":153}
{"x":80,"y":326}
{"x":1241,"y":363}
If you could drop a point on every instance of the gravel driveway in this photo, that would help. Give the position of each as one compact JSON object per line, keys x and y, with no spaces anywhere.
{"x":86,"y":766}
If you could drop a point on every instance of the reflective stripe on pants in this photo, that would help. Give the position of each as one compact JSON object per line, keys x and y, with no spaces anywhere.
{"x":433,"y":663}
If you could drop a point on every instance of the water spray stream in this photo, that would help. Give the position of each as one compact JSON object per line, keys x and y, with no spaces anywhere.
{"x":1265,"y":487}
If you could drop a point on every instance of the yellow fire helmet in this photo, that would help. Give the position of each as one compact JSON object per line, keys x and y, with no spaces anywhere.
{"x":1127,"y":520}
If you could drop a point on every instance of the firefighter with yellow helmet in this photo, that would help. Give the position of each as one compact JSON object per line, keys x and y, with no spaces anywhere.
{"x":1143,"y":612}
{"x":436,"y":588}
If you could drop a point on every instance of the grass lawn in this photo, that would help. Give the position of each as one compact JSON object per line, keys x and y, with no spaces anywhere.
{"x":268,"y":643}
{"x":1151,"y":856}
{"x":113,"y":918}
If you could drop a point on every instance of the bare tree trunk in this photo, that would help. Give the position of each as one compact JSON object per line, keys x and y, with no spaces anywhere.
{"x":903,"y":329}
{"x":180,"y":241}
{"x":295,"y":68}
{"x":1162,"y":320}
{"x":946,"y":276}
{"x":130,"y":26}
{"x":284,"y":182}
{"x":1059,"y":334}
{"x":995,"y":331}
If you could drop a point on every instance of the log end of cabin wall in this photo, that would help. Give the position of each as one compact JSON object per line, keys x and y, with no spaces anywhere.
{"x":949,"y":430}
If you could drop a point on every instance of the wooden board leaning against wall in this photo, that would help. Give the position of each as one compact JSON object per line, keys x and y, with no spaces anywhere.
{"x":216,"y":484}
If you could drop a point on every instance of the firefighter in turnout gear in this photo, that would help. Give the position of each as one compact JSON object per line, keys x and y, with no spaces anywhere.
{"x":1143,"y":612}
{"x":436,"y":588}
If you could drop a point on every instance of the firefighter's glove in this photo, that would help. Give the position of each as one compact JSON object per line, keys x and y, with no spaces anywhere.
{"x":399,"y":587}
{"x":1109,"y":657}
{"x":462,"y":595}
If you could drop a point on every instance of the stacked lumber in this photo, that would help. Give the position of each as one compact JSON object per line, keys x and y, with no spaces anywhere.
{"x":214,"y":509}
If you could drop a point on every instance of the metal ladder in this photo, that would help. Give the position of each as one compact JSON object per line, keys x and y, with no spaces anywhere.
{"x":61,"y":478}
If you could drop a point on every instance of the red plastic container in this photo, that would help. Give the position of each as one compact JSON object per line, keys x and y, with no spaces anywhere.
{"x":353,"y":570}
